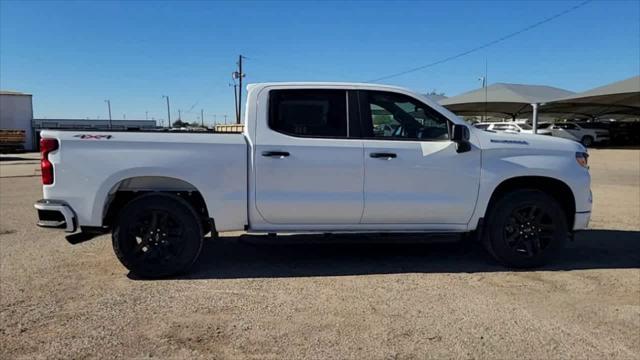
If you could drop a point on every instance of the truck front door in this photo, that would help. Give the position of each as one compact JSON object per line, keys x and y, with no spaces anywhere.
{"x":413,"y":174}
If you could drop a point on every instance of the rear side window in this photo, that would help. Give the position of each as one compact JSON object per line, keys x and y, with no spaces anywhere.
{"x":309,"y":113}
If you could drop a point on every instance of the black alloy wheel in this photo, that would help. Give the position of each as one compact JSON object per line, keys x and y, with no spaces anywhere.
{"x":529,"y":230}
{"x":525,"y":228}
{"x":157,"y":235}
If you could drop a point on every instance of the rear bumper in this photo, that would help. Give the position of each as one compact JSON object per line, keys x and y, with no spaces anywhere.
{"x":581,"y":221}
{"x":56,"y":214}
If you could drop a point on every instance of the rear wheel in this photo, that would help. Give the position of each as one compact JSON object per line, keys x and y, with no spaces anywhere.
{"x":587,"y":140}
{"x":525,"y":229}
{"x":157,"y":235}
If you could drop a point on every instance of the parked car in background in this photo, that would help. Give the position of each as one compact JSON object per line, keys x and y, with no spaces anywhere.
{"x":625,"y":132}
{"x":481,"y":126}
{"x":573,"y":131}
{"x":511,"y":127}
{"x":620,"y":132}
{"x":602,"y":125}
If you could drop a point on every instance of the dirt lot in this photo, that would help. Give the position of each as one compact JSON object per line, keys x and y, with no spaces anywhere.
{"x":305,"y":298}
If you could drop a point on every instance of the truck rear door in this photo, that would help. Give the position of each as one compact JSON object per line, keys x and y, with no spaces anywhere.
{"x":307,"y":168}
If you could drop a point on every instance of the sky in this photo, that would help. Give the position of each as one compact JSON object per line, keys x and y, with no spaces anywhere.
{"x":73,"y":55}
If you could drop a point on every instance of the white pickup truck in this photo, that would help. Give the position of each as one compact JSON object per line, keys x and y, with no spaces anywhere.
{"x":310,"y":160}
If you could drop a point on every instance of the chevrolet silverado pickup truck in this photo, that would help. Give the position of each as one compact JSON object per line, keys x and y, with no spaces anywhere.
{"x":311,"y":159}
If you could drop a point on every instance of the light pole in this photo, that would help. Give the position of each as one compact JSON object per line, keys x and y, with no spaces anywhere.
{"x":109,"y":106}
{"x":484,"y":86}
{"x":168,"y":111}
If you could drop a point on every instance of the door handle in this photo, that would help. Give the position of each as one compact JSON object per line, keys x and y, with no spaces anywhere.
{"x":279,"y":154}
{"x":383,"y":155}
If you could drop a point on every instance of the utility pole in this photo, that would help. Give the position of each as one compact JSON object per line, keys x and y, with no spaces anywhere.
{"x":235,"y":98}
{"x":215,"y":122}
{"x":168,"y":111}
{"x":179,"y":115}
{"x":239,"y":75}
{"x":202,"y":117}
{"x":240,"y":90}
{"x":146,"y":115}
{"x":109,"y":106}
{"x":225,"y":119}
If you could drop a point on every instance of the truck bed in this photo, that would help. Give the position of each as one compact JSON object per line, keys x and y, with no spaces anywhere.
{"x":98,"y":163}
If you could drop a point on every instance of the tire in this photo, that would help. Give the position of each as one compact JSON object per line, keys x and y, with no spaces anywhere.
{"x":587,"y":140}
{"x":525,"y":229}
{"x":157,"y":235}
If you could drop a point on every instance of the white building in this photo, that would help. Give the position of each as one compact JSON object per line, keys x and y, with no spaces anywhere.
{"x":16,"y":113}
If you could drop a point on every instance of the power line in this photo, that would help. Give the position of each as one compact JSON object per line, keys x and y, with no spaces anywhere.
{"x":486,"y":45}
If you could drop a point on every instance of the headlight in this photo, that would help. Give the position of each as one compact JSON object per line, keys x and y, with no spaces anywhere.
{"x":583,"y":159}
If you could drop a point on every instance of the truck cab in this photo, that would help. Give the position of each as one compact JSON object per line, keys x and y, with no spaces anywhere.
{"x":317,"y":157}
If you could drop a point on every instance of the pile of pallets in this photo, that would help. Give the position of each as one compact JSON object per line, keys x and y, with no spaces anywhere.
{"x":229,"y":128}
{"x":11,"y":140}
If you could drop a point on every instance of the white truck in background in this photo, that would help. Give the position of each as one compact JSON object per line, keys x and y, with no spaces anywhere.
{"x":573,"y":131}
{"x":309,"y":160}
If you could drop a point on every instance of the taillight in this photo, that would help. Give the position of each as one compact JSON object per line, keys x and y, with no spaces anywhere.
{"x":46,"y":167}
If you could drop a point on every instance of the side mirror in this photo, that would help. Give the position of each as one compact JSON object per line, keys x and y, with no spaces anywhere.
{"x":460,"y":135}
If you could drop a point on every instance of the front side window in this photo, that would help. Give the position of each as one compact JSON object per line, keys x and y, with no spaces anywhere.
{"x":566,"y":126}
{"x":309,"y":112}
{"x":396,"y":116}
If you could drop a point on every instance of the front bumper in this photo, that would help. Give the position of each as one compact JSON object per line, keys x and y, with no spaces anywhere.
{"x":56,"y":214}
{"x":581,"y":220}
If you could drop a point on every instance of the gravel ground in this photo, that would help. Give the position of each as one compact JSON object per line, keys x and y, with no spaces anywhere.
{"x":309,"y":297}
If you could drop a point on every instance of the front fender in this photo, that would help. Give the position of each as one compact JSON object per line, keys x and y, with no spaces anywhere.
{"x":500,"y":165}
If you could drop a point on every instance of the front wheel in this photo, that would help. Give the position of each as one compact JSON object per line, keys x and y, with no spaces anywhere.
{"x":525,"y":228}
{"x":587,"y":141}
{"x":157,"y":235}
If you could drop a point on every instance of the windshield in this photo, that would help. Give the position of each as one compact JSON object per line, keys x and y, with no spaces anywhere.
{"x":525,"y":127}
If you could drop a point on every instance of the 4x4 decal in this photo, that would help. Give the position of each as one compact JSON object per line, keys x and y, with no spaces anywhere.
{"x":93,"y":137}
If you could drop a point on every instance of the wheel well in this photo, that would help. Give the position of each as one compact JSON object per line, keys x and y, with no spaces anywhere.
{"x":553,"y":187}
{"x":129,"y":189}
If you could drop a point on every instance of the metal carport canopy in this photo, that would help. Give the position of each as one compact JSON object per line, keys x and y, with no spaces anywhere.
{"x":618,"y":98}
{"x":503,"y":99}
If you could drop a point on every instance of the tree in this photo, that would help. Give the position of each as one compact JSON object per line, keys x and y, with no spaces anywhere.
{"x":178,"y":124}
